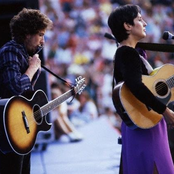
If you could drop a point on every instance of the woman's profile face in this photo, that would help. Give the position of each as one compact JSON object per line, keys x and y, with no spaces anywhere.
{"x":138,"y":30}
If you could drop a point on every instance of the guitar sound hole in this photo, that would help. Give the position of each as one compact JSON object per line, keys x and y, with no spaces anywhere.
{"x":161,"y":88}
{"x":37,"y":114}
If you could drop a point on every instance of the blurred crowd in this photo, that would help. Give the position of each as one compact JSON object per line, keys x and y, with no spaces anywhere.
{"x":76,"y":45}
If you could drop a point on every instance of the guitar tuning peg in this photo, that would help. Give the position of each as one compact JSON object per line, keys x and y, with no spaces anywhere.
{"x":78,"y":78}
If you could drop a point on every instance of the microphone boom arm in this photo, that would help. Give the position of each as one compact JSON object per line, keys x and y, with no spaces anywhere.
{"x":148,"y":46}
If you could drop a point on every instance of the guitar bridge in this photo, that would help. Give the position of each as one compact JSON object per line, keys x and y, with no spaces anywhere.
{"x":25,"y":122}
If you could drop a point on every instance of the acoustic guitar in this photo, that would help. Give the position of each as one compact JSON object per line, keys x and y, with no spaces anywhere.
{"x":23,"y":118}
{"x":133,"y":112}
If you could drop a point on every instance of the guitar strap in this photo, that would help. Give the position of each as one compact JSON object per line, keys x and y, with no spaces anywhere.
{"x":147,"y":65}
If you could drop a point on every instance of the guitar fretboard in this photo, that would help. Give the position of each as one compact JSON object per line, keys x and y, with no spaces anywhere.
{"x":56,"y":102}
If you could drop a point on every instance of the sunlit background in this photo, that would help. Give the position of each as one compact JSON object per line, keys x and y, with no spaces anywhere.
{"x":76,"y":46}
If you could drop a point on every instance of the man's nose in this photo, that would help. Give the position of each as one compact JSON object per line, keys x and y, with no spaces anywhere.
{"x":43,"y":41}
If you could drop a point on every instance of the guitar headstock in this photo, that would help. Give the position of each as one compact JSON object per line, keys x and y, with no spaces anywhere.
{"x":80,"y":85}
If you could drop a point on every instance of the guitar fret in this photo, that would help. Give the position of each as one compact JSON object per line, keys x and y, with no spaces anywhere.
{"x":54,"y":103}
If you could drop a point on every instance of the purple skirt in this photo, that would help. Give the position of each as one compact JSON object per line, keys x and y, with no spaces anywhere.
{"x":142,"y":149}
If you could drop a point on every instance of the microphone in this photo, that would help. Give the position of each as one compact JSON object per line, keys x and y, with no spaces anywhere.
{"x":167,"y":35}
{"x":109,"y":36}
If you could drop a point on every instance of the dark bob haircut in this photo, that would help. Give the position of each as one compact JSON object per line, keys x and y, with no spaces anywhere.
{"x":28,"y":21}
{"x":121,"y":15}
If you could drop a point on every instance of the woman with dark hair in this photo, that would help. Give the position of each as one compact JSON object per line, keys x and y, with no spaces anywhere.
{"x":19,"y":69}
{"x":144,"y":151}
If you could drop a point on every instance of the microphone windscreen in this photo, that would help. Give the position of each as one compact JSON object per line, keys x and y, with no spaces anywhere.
{"x":109,"y":36}
{"x":165,"y":35}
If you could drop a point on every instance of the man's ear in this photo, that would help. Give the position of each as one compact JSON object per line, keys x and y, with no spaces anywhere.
{"x":127,"y":26}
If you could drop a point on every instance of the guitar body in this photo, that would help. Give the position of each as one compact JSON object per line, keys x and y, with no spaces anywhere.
{"x":22,"y":121}
{"x":136,"y":114}
{"x":120,"y":107}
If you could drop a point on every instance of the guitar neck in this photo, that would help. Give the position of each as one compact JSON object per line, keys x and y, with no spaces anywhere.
{"x":56,"y":102}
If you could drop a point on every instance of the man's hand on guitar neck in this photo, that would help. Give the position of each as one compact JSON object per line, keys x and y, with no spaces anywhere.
{"x":169,"y":118}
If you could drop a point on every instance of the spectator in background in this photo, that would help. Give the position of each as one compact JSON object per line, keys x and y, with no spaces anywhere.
{"x":113,"y":117}
{"x":62,"y":124}
{"x":88,"y":110}
{"x":83,"y":110}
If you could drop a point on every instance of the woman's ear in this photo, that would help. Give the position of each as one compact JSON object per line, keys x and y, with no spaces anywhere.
{"x":127,"y":26}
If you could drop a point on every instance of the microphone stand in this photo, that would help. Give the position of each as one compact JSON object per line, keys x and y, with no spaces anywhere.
{"x":64,"y":81}
{"x":148,"y":46}
{"x":71,"y":86}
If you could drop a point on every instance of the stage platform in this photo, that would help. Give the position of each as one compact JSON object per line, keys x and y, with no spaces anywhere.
{"x":98,"y":153}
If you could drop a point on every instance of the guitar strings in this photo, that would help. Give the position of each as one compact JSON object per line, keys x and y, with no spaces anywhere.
{"x":169,"y":83}
{"x":161,"y":87}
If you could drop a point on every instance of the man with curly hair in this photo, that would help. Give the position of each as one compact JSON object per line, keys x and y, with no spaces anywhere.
{"x":19,"y":69}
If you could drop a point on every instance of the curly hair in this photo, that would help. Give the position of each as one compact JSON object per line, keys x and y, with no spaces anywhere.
{"x":28,"y":21}
{"x":121,"y":15}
